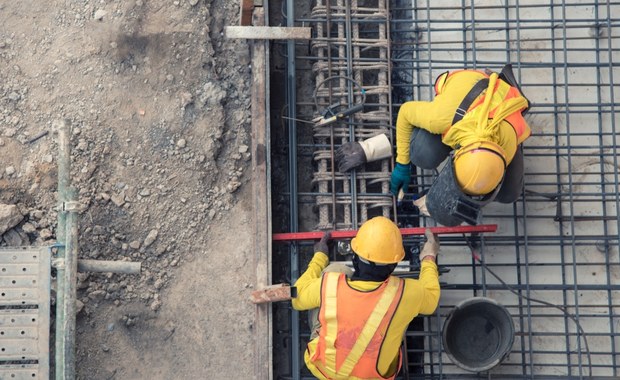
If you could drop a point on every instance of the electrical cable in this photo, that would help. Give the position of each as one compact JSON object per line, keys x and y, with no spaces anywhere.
{"x":299,"y":120}
{"x":318,"y":86}
{"x":513,"y":291}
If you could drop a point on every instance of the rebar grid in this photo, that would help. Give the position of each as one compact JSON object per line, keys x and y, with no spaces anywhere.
{"x":559,"y":242}
{"x":352,"y":48}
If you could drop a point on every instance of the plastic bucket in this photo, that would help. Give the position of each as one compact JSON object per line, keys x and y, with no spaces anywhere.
{"x":478,"y":334}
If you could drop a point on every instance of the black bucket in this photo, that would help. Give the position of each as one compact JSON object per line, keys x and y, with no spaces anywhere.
{"x":478,"y":334}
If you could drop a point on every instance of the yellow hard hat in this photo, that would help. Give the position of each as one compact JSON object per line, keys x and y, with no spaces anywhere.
{"x":379,"y":240}
{"x":479,"y":167}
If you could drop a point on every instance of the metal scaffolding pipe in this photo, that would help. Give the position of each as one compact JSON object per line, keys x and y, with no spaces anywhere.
{"x":103,"y":266}
{"x":69,"y":302}
{"x":64,"y":170}
{"x":291,"y":96}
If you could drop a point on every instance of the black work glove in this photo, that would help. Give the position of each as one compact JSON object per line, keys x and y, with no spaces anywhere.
{"x":324,"y":244}
{"x":349,"y":156}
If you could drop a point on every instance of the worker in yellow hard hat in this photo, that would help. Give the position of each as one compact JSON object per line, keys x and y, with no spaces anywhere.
{"x":358,"y":317}
{"x":476,"y":118}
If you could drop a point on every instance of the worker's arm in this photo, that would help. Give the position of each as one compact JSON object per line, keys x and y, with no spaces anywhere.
{"x":407,"y":118}
{"x":433,"y":116}
{"x":429,"y":276}
{"x":436,"y":116}
{"x":309,"y":284}
{"x":419,"y":297}
{"x":429,"y":279}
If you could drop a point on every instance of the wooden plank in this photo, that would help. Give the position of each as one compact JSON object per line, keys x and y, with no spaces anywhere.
{"x":272,"y":293}
{"x":247,"y":8}
{"x":261,"y":196}
{"x":268,"y":32}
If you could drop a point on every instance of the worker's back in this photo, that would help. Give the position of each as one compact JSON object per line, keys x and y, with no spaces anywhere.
{"x":355,"y":301}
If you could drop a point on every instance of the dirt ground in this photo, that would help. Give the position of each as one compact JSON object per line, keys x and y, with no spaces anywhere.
{"x":159,"y":103}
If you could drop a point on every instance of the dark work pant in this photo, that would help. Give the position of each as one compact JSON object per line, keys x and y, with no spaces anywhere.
{"x":427,"y":151}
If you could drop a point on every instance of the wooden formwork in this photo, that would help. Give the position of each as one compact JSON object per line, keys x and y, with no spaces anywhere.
{"x":261,"y":193}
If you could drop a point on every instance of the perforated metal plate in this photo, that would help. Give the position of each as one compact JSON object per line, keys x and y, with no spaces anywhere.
{"x":24,"y":313}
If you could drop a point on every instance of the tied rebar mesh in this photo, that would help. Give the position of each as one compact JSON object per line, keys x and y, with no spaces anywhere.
{"x":352,"y":60}
{"x":559,"y":242}
{"x":556,"y":253}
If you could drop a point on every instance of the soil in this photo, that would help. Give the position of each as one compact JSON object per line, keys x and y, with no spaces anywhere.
{"x":159,"y":105}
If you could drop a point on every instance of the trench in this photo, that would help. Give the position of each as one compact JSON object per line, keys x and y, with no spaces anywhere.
{"x":556,"y":243}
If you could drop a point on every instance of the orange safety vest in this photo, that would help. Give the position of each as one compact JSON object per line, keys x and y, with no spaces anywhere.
{"x":353,"y":326}
{"x":503,"y":92}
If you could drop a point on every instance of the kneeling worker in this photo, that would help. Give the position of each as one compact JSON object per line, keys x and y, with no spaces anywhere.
{"x":477,"y":119}
{"x":358,"y":318}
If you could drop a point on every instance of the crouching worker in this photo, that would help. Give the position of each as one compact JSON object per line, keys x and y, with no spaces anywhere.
{"x":476,"y":119}
{"x":358,"y":318}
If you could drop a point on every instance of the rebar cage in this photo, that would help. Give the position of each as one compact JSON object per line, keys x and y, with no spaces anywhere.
{"x":554,"y":262}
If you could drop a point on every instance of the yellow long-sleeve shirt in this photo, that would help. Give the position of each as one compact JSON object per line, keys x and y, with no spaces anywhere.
{"x":419,"y":297}
{"x":436,"y":116}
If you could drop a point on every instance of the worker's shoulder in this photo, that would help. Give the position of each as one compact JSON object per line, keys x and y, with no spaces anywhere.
{"x":458,"y":77}
{"x":410,"y":283}
{"x":467,"y":72}
{"x":410,"y":280}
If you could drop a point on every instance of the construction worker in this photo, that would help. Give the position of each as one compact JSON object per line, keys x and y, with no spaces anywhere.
{"x":477,"y":119}
{"x":358,"y":317}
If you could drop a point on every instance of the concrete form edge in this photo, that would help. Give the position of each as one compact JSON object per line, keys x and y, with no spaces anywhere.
{"x":267,"y":32}
{"x":261,"y":193}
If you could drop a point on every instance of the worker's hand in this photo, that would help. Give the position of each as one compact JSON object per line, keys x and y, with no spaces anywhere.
{"x":349,"y":156}
{"x":431,"y":247}
{"x":420,"y":203}
{"x":401,"y":176}
{"x":323,"y":244}
{"x":354,"y":154}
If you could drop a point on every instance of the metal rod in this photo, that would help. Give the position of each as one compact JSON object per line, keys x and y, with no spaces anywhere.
{"x":103,"y":266}
{"x":69,"y":302}
{"x":348,"y":53}
{"x":64,"y":171}
{"x":37,"y":137}
{"x":291,"y":96}
{"x":347,"y":234}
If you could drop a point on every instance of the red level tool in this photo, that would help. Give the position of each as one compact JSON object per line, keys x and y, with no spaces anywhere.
{"x":347,"y":234}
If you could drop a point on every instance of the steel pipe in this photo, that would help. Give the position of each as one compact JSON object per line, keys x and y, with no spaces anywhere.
{"x":103,"y":266}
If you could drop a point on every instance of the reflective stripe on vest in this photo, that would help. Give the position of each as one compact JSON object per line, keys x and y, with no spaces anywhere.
{"x":352,"y":332}
{"x":502,"y":93}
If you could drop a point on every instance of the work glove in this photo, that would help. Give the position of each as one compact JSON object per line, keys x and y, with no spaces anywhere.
{"x":349,"y":156}
{"x":420,"y":203}
{"x":354,"y":154}
{"x":431,"y":247}
{"x":400,"y":178}
{"x":323,"y":244}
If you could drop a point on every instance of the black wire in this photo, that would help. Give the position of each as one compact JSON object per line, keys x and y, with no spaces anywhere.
{"x":513,"y":291}
{"x":316,"y":90}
